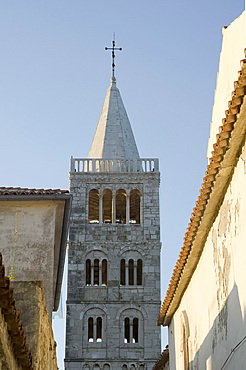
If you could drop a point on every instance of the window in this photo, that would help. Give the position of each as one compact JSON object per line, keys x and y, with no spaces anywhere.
{"x":98,"y":329}
{"x":104,"y":272}
{"x":120,"y":206}
{"x":131,"y":273}
{"x":97,"y":271}
{"x":88,"y":272}
{"x":107,"y":206}
{"x":135,"y":330}
{"x":127,"y":330}
{"x":90,"y":329}
{"x":131,"y":328}
{"x":139,"y":271}
{"x":123,"y":272}
{"x":94,"y":206}
{"x":135,"y":206}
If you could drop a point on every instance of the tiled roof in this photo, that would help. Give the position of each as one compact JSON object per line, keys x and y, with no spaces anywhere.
{"x":26,"y":191}
{"x":14,"y":324}
{"x":163,"y":360}
{"x":215,"y":167}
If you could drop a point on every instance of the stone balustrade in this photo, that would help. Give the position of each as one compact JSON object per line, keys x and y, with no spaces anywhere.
{"x":85,"y":165}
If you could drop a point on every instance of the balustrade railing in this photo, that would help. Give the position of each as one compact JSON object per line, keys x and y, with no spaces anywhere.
{"x":90,"y":165}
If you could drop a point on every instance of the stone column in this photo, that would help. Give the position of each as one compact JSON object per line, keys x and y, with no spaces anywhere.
{"x":127,"y":208}
{"x":100,"y":207}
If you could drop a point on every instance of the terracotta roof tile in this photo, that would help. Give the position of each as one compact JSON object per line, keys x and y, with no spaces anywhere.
{"x":14,"y":324}
{"x":220,"y":148}
{"x":26,"y":191}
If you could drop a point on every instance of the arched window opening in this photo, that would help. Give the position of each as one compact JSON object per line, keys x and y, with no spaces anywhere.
{"x":88,"y":272}
{"x":120,"y":206}
{"x":86,"y":367}
{"x":96,"y":272}
{"x":132,"y":367}
{"x":127,"y":331}
{"x":107,"y":206}
{"x":185,"y":333}
{"x":99,"y":329}
{"x":135,"y":201}
{"x":96,"y":366}
{"x":139,"y":272}
{"x":106,"y":367}
{"x":124,"y":367}
{"x":141,"y":367}
{"x":131,"y":272}
{"x":104,"y":272}
{"x":93,"y":207}
{"x":135,"y":330}
{"x":122,"y":272}
{"x":90,"y":329}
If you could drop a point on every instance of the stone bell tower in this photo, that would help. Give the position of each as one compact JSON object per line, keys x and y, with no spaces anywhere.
{"x":114,"y":250}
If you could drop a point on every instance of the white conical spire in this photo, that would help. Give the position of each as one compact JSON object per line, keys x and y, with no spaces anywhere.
{"x":113,"y":137}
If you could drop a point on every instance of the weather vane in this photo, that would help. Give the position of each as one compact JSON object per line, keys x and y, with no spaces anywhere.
{"x":113,"y":54}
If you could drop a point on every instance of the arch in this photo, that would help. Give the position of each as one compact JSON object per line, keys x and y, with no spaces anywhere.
{"x":88,"y":272}
{"x":124,"y":367}
{"x":93,"y":216}
{"x":132,"y":367}
{"x":136,"y":251}
{"x":135,"y":206}
{"x":107,"y":206}
{"x":101,"y":310}
{"x":139,"y":271}
{"x":106,"y":367}
{"x":86,"y":367}
{"x":136,"y":311}
{"x":142,"y":367}
{"x":96,"y":366}
{"x":120,"y":201}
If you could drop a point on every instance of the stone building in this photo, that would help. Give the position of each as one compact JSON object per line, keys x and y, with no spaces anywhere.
{"x":114,"y":250}
{"x":204,"y":307}
{"x":33,"y":238}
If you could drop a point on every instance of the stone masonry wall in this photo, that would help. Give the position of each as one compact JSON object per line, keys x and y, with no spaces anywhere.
{"x":30,"y":302}
{"x":7,"y":357}
{"x":113,"y":302}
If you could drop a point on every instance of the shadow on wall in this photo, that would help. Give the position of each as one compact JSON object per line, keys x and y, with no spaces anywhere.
{"x":225,"y":345}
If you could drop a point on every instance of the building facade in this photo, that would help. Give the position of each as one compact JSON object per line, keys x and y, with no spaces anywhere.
{"x":204,"y":307}
{"x":114,"y":250}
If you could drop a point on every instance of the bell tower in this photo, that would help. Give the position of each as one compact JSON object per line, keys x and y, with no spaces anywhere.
{"x":114,"y":250}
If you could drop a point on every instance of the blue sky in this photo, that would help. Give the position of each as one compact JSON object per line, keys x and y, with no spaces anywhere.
{"x":55,"y":72}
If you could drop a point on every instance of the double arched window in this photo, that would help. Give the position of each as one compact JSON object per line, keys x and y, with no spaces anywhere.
{"x":131,"y":272}
{"x":96,"y":272}
{"x":119,"y":207}
{"x":94,"y":329}
{"x":131,"y":330}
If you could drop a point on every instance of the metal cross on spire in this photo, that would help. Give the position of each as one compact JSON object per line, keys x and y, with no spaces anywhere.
{"x":113,"y":54}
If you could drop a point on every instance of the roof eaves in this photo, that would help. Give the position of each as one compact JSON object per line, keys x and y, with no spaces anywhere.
{"x":227,"y":149}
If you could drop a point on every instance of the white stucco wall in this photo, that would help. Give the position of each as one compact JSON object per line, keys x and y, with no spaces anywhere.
{"x":215,"y":300}
{"x":232,"y":51}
